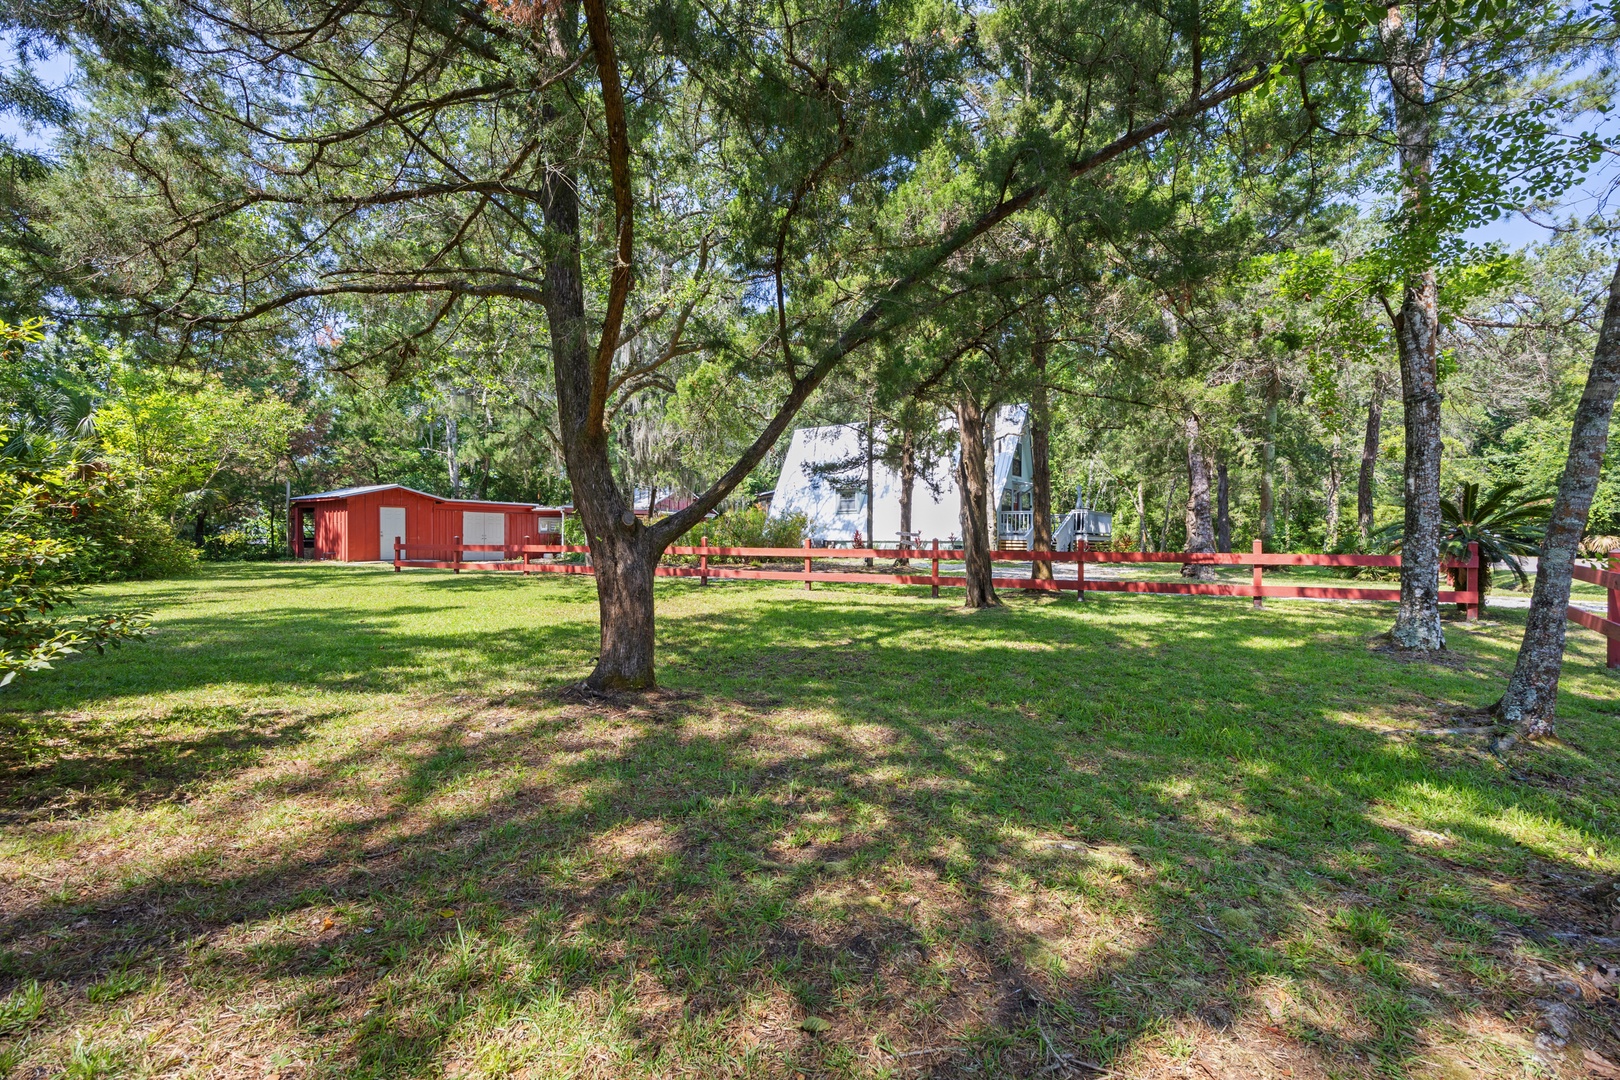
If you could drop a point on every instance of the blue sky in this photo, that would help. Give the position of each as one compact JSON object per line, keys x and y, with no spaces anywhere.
{"x":1596,"y":194}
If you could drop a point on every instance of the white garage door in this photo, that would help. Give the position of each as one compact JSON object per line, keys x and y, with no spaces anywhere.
{"x":393,"y":525}
{"x":481,"y":528}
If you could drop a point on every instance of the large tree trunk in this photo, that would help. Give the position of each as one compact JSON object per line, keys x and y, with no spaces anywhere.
{"x":1223,"y":512}
{"x":1369,"y":459}
{"x":908,"y":483}
{"x":1417,"y":334}
{"x":622,"y":554}
{"x":974,"y":486}
{"x":1532,"y":692}
{"x":1268,"y":468}
{"x":1200,"y":526}
{"x":1040,"y":452}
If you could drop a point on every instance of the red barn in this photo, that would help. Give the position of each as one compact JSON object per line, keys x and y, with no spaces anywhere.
{"x":359,"y":524}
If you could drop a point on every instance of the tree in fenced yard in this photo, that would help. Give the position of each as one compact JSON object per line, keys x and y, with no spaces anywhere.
{"x":1476,"y":99}
{"x":1528,"y":704}
{"x":476,"y":157}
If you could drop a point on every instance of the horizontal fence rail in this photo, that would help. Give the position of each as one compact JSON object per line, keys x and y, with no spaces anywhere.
{"x":1608,"y":627}
{"x":521,"y":558}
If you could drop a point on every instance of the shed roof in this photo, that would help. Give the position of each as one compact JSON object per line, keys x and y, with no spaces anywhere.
{"x":367,"y":489}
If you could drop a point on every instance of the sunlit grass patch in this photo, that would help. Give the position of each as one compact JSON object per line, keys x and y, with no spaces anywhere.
{"x":334,"y":821}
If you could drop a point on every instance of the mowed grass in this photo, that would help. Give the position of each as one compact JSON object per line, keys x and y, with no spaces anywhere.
{"x":337,"y":822}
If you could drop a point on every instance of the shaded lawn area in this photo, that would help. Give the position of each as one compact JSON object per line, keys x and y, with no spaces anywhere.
{"x":334,"y":821}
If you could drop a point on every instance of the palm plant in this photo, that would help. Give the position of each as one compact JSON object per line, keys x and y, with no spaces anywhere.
{"x":1505,"y":525}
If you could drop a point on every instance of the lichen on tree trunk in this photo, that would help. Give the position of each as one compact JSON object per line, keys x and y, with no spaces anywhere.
{"x":1417,"y":334}
{"x":1532,"y":691}
{"x":1417,"y":620}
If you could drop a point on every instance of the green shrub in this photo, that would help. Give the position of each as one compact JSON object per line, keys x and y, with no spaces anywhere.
{"x":749,"y":527}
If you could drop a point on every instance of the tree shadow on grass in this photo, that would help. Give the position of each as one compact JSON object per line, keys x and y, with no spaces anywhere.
{"x":1007,"y":846}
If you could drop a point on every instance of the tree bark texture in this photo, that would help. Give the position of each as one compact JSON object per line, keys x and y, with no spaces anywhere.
{"x":622,"y":554}
{"x":1417,"y":337}
{"x":1532,"y":691}
{"x":1369,"y":458}
{"x":1223,"y":510}
{"x":974,"y":486}
{"x":1040,"y":452}
{"x":1200,"y":526}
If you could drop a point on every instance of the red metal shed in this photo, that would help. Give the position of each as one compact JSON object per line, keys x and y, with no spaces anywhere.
{"x":359,"y":524}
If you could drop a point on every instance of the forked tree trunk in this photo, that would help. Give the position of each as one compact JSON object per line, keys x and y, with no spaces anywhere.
{"x":622,"y":554}
{"x":1200,"y":526}
{"x":908,"y":483}
{"x":1040,"y":452}
{"x":1532,"y":692}
{"x":974,"y":486}
{"x":1417,"y":337}
{"x":1223,"y":511}
{"x":1369,"y":459}
{"x":1268,"y":469}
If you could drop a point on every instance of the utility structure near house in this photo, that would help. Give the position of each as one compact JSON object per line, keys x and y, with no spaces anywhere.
{"x":360,"y":524}
{"x":824,"y":477}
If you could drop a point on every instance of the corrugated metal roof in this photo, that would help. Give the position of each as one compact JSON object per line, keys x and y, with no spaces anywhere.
{"x":366,"y":489}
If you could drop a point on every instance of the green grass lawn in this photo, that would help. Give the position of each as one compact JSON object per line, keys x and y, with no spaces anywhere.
{"x":337,"y":822}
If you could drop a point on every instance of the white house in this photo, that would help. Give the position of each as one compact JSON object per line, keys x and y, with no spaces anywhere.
{"x":835,"y":505}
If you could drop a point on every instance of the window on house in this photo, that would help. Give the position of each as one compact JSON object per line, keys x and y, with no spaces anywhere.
{"x":849,"y":502}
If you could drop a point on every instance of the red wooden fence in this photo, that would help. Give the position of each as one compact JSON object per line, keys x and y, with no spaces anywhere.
{"x":521,"y":558}
{"x":1610,"y":627}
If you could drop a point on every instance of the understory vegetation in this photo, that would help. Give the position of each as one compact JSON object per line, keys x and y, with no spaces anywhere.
{"x":340,"y":822}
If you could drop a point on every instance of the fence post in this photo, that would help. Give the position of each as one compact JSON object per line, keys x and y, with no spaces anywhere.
{"x":807,"y":582}
{"x":1080,"y":571}
{"x":934,"y":573}
{"x":1614,"y":611}
{"x":703,"y":564}
{"x":526,"y":539}
{"x":456,"y":555}
{"x":1259,"y":601}
{"x":1474,"y":575}
{"x":396,"y":554}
